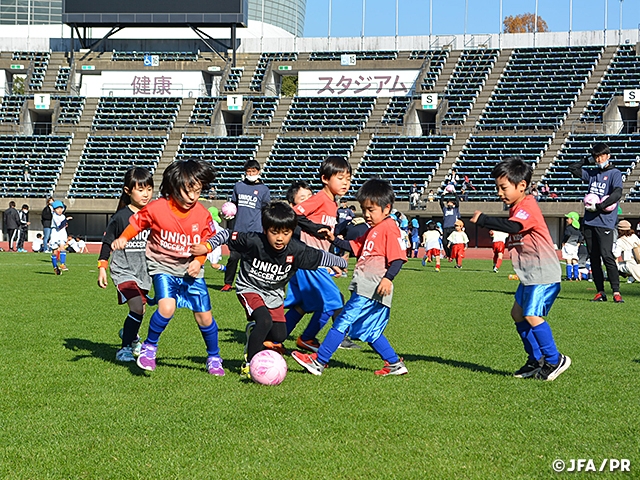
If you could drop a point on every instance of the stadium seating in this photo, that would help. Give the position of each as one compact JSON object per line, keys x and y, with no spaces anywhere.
{"x":401,"y":160}
{"x":263,"y":64}
{"x":538,"y":88}
{"x":62,"y":79}
{"x":39,"y":61}
{"x":11,"y":108}
{"x":328,"y":113}
{"x":299,"y":158}
{"x":623,"y":72}
{"x":625,"y":153}
{"x":436,"y":60}
{"x":136,"y":113}
{"x":227,"y":154}
{"x":396,"y":108}
{"x":164,"y":56}
{"x":202,"y":110}
{"x":263,"y":110}
{"x":105,"y":159}
{"x":233,"y":79}
{"x":466,"y":81}
{"x":70,"y":109}
{"x":42,"y":156}
{"x":483,"y":152}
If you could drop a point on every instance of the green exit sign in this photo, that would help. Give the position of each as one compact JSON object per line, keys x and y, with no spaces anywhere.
{"x":284,"y":67}
{"x":17,"y":66}
{"x":88,"y":67}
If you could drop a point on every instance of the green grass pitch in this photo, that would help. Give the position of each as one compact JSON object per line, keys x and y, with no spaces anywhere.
{"x":68,"y":410}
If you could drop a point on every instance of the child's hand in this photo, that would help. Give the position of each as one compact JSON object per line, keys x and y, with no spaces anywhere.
{"x":198,"y":249}
{"x":119,"y":243}
{"x":384,"y":288}
{"x":102,"y":278}
{"x":69,"y":218}
{"x":194,"y":268}
{"x":327,"y":233}
{"x":476,"y":214}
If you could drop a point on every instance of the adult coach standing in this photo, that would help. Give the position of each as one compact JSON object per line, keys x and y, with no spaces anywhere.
{"x":599,"y":225}
{"x":249,"y":195}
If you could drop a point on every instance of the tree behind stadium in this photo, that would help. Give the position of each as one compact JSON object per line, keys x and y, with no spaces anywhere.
{"x":524,"y":23}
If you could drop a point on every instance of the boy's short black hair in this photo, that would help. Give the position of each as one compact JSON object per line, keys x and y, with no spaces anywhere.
{"x":352,"y":208}
{"x":431,"y":226}
{"x":377,"y":191}
{"x":253,"y":163}
{"x":600,"y":149}
{"x":333,"y":166}
{"x":12,"y":204}
{"x":279,"y":216}
{"x":515,"y":169}
{"x":182,"y":174}
{"x":294,"y":188}
{"x":25,"y":207}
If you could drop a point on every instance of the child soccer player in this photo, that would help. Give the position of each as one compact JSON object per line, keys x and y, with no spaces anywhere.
{"x":534,"y":259}
{"x":571,"y":244}
{"x":38,"y":244}
{"x":458,"y":242}
{"x":267,"y":262}
{"x":431,"y":241}
{"x":58,"y":239}
{"x":128,"y":266}
{"x":315,"y":291}
{"x":176,"y":221}
{"x":499,"y":238}
{"x":380,"y":258}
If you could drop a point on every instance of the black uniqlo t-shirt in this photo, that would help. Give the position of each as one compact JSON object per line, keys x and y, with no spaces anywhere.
{"x":266,"y":271}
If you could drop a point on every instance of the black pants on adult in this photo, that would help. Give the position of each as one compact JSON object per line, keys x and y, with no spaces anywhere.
{"x":13,"y":234}
{"x":600,"y":247}
{"x":22,"y":237}
{"x":232,"y":267}
{"x":445,"y":234}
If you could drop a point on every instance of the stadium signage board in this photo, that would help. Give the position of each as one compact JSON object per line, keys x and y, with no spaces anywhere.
{"x":42,"y":101}
{"x":183,"y":84}
{"x":88,"y":67}
{"x":348,"y":60}
{"x":631,"y":97}
{"x":429,"y":101}
{"x":234,"y":102}
{"x":155,"y":13}
{"x":3,"y":83}
{"x":284,"y":67}
{"x":151,"y":60}
{"x":356,"y":83}
{"x":17,"y":66}
{"x":214,"y":68}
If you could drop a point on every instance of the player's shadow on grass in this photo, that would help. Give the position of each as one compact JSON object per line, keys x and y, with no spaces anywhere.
{"x":474,"y":367}
{"x":87,"y":349}
{"x":504,"y":292}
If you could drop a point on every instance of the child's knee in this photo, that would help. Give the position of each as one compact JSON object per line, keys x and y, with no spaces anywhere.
{"x":203,"y":319}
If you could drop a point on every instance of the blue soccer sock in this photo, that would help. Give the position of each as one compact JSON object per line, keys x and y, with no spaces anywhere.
{"x":383,"y":348}
{"x":157,"y":324}
{"x":54,"y":260}
{"x":544,"y":337}
{"x":63,"y":257}
{"x":317,"y":323}
{"x":529,"y":340}
{"x":292,"y":317}
{"x":210,"y":336}
{"x":329,"y":345}
{"x":569,"y":269}
{"x":576,"y":271}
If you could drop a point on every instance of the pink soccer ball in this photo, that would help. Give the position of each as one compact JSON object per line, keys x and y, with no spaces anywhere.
{"x":610,"y":208}
{"x":450,"y":188}
{"x":590,"y":201}
{"x":229,"y":210}
{"x":268,"y":368}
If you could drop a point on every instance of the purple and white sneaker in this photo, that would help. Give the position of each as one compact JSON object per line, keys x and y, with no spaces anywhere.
{"x":147,"y":358}
{"x":214,"y":366}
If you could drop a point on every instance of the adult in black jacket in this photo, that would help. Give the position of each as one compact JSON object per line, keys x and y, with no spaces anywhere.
{"x":11,"y":222}
{"x":45,"y":218}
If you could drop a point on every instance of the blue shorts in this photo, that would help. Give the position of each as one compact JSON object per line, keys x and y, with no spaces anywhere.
{"x":313,"y":291}
{"x":188,"y":292}
{"x":363,"y":318}
{"x":537,"y":300}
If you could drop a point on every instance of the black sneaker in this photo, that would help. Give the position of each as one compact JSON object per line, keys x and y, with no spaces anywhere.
{"x":529,"y":369}
{"x":600,"y":297}
{"x":348,"y":344}
{"x":549,"y":372}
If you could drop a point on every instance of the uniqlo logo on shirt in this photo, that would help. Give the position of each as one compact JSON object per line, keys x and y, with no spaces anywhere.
{"x":255,"y":192}
{"x":195,"y":227}
{"x":522,"y":215}
{"x":289,"y":259}
{"x":234,"y":236}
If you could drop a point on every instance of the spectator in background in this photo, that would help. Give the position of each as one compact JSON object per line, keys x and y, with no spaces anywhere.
{"x":535,"y":193}
{"x":45,"y":218}
{"x":623,"y":251}
{"x":450,"y":213}
{"x":37,"y":245}
{"x":24,"y":227}
{"x":414,"y":200}
{"x":11,"y":222}
{"x":431,"y":197}
{"x":344,"y":214}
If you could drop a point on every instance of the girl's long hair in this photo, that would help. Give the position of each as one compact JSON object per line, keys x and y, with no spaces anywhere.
{"x":135,"y":177}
